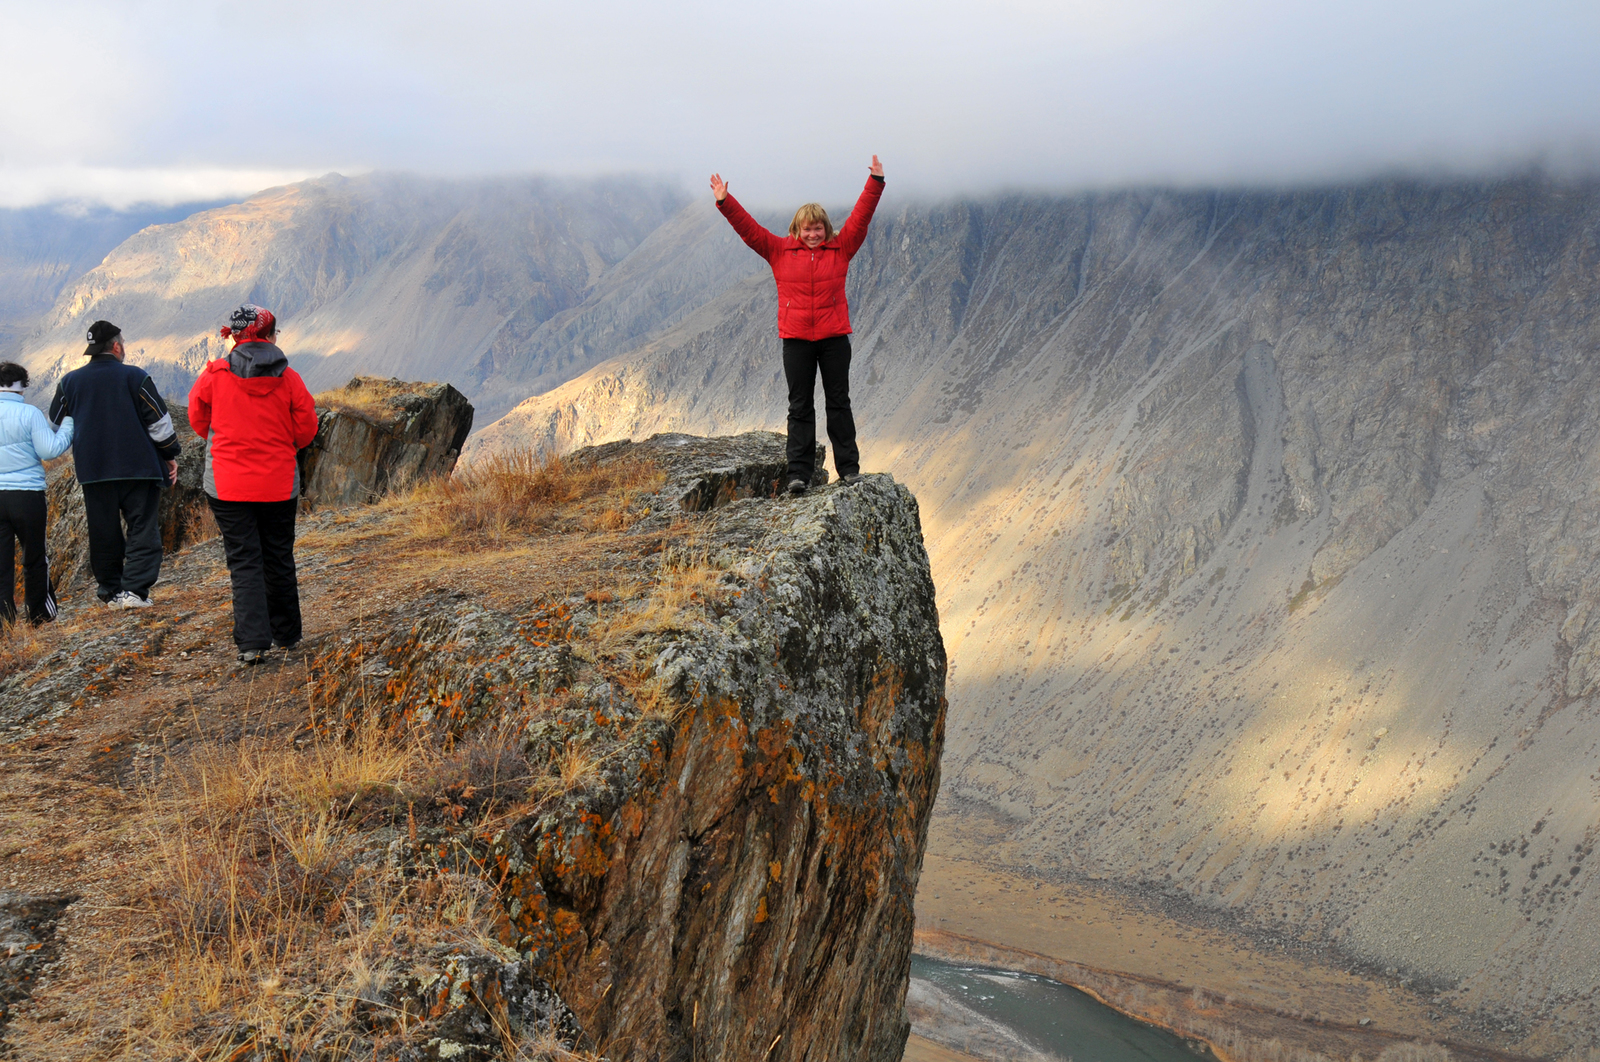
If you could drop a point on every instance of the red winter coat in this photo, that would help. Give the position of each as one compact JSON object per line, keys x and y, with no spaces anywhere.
{"x":811,"y":302}
{"x":253,"y":428}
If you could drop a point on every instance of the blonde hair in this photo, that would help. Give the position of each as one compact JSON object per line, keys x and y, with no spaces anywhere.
{"x":806,"y":215}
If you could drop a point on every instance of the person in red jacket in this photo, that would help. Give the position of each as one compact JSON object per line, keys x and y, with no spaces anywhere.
{"x":813,"y":318}
{"x":255,"y":414}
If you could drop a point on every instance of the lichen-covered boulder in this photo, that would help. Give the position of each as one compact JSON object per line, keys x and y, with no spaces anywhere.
{"x":730,"y":767}
{"x":746,"y":893}
{"x":377,"y":435}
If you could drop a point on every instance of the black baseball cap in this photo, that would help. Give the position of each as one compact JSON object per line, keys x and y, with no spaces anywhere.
{"x":101,"y":336}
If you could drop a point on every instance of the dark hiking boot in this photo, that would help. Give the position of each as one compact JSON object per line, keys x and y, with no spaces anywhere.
{"x":797,"y":486}
{"x":850,"y":479}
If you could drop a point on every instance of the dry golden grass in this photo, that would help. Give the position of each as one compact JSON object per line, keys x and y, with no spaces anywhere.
{"x":688,"y":583}
{"x":23,"y":644}
{"x":520,"y":493}
{"x":269,"y":926}
{"x":576,"y":767}
{"x":265,"y":920}
{"x":367,"y":396}
{"x":649,"y":691}
{"x":265,"y":906}
{"x":224,"y":782}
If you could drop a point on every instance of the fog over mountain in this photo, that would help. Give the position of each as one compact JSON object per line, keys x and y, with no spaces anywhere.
{"x":1266,"y":537}
{"x":384,"y":273}
{"x":958,"y":97}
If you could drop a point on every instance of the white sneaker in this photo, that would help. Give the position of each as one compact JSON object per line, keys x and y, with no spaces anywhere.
{"x":129,"y":599}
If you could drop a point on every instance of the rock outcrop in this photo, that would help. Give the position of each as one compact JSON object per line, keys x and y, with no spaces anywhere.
{"x":760,"y":884}
{"x":376,"y":435}
{"x":736,"y":879}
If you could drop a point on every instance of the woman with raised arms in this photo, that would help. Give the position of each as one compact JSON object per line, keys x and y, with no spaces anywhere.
{"x":813,"y":318}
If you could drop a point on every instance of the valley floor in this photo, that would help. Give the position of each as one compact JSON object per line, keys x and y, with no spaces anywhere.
{"x":1171,"y":965}
{"x":921,"y":1050}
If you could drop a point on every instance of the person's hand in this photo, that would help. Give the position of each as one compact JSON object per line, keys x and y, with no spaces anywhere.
{"x":876,"y":169}
{"x":719,"y":187}
{"x":172,"y":472}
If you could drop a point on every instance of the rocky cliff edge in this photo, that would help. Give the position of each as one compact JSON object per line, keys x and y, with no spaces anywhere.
{"x":725,"y":713}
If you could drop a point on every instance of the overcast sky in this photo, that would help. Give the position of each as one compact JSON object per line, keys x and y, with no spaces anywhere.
{"x":163,"y":100}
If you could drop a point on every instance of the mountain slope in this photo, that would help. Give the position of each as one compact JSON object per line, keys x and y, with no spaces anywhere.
{"x":385,"y":274}
{"x":44,"y":248}
{"x":1266,"y":543}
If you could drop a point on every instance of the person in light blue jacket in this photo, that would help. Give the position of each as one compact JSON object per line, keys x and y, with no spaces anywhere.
{"x":26,"y":441}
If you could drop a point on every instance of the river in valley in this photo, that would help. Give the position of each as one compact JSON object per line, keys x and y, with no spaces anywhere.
{"x":1000,"y":1014}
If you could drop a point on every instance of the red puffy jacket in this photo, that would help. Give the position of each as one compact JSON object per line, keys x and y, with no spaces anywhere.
{"x":811,"y":302}
{"x":253,"y":428}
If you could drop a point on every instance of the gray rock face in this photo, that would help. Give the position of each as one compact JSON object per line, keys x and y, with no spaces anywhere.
{"x":1265,"y":541}
{"x":374,"y":435}
{"x":710,"y":473}
{"x":28,"y":943}
{"x":692,"y":258}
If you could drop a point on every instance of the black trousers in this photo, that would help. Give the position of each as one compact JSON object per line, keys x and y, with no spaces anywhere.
{"x":22,"y":516}
{"x":801,"y":360}
{"x":258,"y":540}
{"x":124,"y":563}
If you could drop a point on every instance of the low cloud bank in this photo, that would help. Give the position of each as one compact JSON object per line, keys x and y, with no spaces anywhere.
{"x":83,"y":187}
{"x":957,"y":97}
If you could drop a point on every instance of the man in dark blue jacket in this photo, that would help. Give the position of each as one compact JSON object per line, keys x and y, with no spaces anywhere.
{"x":125,"y":449}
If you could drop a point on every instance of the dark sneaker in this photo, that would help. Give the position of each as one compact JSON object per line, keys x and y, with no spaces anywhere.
{"x":850,"y":478}
{"x":286,"y":645}
{"x":797,"y":486}
{"x":252,"y":656}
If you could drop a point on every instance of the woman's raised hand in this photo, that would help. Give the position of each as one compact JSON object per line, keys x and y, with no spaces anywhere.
{"x":876,"y":169}
{"x":719,"y":187}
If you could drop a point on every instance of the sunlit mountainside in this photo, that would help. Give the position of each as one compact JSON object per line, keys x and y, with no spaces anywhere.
{"x":45,"y":248}
{"x":1264,"y":524}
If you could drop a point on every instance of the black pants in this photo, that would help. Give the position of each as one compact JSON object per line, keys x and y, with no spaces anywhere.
{"x":132,"y":563}
{"x":22,"y":515}
{"x":258,"y":540}
{"x":801,"y":360}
